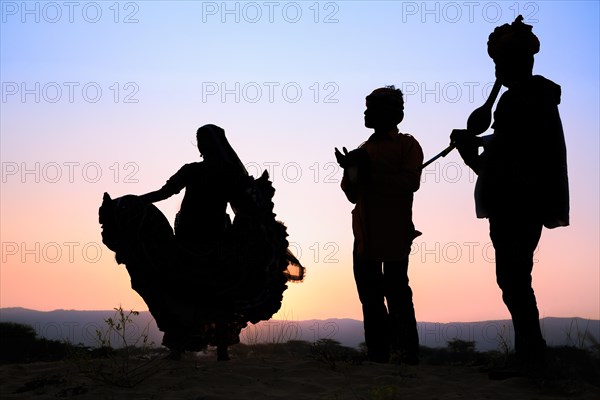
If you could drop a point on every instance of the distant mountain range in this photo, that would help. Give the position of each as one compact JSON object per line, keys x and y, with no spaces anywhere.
{"x":81,"y":326}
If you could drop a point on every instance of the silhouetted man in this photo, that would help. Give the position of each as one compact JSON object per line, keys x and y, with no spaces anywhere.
{"x":522,"y":176}
{"x":380,"y":177}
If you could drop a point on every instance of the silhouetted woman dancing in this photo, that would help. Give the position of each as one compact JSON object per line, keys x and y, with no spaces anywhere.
{"x":205,"y":283}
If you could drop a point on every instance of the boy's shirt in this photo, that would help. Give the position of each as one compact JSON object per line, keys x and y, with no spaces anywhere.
{"x":383,"y":194}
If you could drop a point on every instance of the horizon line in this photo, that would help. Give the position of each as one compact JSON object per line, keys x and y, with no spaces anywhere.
{"x":308,"y":319}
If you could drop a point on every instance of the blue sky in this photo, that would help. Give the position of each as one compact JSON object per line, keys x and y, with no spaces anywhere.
{"x":287,"y":91}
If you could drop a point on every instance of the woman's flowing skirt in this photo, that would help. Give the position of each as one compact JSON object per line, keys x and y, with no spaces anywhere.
{"x":207,"y":294}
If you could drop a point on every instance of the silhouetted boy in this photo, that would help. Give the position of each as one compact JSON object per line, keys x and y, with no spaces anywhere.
{"x":522,"y":183}
{"x":380,"y":177}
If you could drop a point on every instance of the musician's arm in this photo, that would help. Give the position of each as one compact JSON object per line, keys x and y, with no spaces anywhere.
{"x":468,"y":147}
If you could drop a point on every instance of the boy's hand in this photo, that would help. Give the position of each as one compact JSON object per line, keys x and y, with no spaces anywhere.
{"x":342,"y":159}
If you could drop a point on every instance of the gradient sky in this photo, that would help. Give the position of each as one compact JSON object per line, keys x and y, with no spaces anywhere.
{"x":107,"y":96}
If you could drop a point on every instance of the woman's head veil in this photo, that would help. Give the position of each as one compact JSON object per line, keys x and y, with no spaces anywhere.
{"x":212,"y":138}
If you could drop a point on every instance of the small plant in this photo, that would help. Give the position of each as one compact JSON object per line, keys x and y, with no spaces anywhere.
{"x":386,"y":392}
{"x":330,"y":352}
{"x":124,"y":358}
{"x":117,"y":328}
{"x":595,"y":346}
{"x":578,"y":337}
{"x":323,"y":351}
{"x":458,"y":346}
{"x":462,"y":352}
{"x":504,"y":343}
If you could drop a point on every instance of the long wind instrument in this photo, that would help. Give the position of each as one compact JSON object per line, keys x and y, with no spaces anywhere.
{"x":477,"y":123}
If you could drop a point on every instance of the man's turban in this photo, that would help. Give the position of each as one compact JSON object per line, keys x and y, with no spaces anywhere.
{"x":516,"y":39}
